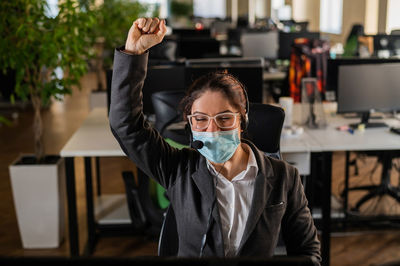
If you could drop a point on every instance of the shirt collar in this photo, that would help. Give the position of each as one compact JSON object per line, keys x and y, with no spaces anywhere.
{"x":251,"y":169}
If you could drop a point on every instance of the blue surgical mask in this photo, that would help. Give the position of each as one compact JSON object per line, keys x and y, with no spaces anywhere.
{"x":219,"y":146}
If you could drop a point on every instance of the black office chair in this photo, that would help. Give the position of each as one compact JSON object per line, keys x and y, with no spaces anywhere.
{"x":384,"y":188}
{"x":264,"y":130}
{"x":165,"y":104}
{"x":265,"y":127}
{"x":145,"y":214}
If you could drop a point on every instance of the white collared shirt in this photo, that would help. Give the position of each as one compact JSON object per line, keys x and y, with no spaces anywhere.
{"x":234,"y":202}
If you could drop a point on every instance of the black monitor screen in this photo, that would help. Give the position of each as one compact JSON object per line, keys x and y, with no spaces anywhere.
{"x":162,"y":78}
{"x":366,"y":87}
{"x":387,"y":42}
{"x":198,"y":47}
{"x":191,"y":32}
{"x":334,"y":64}
{"x":250,"y":76}
{"x":260,"y":44}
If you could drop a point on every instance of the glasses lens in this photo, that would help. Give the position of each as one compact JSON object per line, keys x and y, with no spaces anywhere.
{"x":226,"y":120}
{"x":200,"y":121}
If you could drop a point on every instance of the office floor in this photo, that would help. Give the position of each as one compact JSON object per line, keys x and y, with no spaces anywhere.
{"x":354,"y":247}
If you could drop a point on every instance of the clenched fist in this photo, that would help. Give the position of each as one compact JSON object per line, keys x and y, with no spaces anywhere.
{"x":144,"y":34}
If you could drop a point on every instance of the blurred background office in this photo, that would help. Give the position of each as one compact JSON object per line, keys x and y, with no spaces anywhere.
{"x":56,"y":61}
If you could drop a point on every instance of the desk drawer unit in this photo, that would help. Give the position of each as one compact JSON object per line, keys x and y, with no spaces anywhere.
{"x":300,"y":160}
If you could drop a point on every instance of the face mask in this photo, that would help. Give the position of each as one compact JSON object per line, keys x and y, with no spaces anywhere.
{"x":219,"y":146}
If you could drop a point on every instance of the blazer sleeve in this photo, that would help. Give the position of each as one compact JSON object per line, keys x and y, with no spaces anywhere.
{"x":298,"y":229}
{"x":140,"y":142}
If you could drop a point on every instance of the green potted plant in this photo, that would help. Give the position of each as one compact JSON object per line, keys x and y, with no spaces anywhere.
{"x":181,"y":12}
{"x":49,"y":55}
{"x":114,"y":18}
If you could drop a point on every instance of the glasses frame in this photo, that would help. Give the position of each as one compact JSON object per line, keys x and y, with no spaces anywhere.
{"x":235,"y":114}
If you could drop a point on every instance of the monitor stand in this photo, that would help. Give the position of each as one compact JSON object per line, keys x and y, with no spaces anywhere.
{"x":364,"y":120}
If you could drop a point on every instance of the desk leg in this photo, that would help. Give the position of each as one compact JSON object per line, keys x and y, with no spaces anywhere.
{"x":346,"y":187}
{"x":72,"y":213}
{"x":98,"y":176}
{"x":326,"y":206}
{"x":89,"y":207}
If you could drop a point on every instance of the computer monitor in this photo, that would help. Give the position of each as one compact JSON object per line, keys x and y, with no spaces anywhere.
{"x":198,"y":47}
{"x":333,"y":69}
{"x":162,"y":78}
{"x":297,"y":25}
{"x":364,"y":88}
{"x":260,"y":44}
{"x":286,"y":40}
{"x":191,"y":32}
{"x":249,"y":71}
{"x":388,"y":43}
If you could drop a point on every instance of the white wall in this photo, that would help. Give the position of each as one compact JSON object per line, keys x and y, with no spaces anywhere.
{"x":307,"y":10}
{"x":393,"y":17}
{"x":371,"y":16}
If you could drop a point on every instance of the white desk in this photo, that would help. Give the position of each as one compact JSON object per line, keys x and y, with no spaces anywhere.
{"x":92,"y":139}
{"x":331,"y":139}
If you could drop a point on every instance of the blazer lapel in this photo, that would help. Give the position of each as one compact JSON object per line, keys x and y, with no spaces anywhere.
{"x":262,"y":191}
{"x":205,"y":183}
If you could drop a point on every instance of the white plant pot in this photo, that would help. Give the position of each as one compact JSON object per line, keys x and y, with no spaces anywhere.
{"x":39,"y":200}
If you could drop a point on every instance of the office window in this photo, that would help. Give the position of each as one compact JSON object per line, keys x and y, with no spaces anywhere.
{"x":156,"y":5}
{"x":331,"y":13}
{"x":261,"y":9}
{"x":280,"y":11}
{"x":209,"y":8}
{"x":52,"y":8}
{"x":276,"y":4}
{"x":393,"y":18}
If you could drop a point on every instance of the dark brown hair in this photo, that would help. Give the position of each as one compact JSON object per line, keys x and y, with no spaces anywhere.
{"x":222,"y":82}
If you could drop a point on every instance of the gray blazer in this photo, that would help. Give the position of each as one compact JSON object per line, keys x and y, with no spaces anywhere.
{"x":279,"y":202}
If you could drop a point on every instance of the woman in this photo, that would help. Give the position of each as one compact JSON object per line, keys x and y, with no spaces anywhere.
{"x":226,"y":189}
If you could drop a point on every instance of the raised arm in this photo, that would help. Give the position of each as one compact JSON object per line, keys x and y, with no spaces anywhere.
{"x":144,"y":34}
{"x":137,"y":138}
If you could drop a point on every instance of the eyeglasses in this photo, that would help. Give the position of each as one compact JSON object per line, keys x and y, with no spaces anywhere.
{"x":202,"y":121}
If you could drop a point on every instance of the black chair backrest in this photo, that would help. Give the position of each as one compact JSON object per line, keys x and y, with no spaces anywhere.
{"x":146,"y":215}
{"x":166,"y":105}
{"x":265,"y":127}
{"x":166,"y":108}
{"x":169,"y":77}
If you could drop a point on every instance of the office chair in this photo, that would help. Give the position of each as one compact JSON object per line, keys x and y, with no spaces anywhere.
{"x":384,"y":188}
{"x":145,"y":215}
{"x":265,"y":127}
{"x":165,"y":104}
{"x":264,"y":130}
